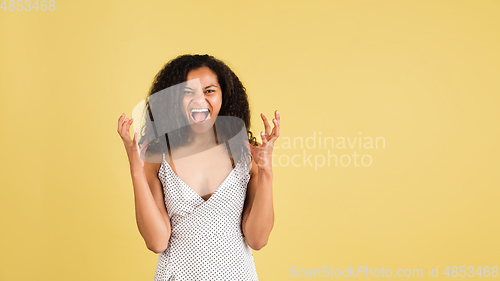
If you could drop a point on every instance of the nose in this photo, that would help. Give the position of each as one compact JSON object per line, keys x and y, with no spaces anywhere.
{"x":199,"y":97}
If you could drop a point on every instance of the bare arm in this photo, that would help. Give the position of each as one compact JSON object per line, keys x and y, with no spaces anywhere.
{"x":258,"y":213}
{"x":151,"y":215}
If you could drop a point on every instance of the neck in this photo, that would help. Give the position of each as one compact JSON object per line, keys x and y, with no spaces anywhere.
{"x":203,"y":140}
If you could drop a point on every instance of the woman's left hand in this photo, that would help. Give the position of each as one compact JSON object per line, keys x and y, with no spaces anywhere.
{"x":263,"y":153}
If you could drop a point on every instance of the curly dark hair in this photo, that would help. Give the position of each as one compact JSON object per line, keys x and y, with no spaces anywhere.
{"x":169,"y":130}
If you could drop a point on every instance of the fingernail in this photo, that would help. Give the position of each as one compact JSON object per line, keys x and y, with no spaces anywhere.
{"x":277,"y":112}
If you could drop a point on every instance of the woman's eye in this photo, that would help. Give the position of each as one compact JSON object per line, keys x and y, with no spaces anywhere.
{"x":188,"y":92}
{"x":210,"y":91}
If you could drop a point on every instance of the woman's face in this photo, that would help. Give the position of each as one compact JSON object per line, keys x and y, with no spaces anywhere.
{"x":202,"y":99}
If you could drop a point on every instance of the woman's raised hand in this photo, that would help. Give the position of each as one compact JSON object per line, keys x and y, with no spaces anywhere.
{"x":131,"y":145}
{"x":263,"y":153}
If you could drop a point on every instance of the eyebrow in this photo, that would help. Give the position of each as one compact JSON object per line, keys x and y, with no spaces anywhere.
{"x":204,"y":88}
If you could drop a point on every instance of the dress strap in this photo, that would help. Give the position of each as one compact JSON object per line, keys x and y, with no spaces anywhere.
{"x":169,"y":156}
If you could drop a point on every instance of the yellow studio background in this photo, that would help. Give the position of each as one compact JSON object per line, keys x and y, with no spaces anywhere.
{"x":422,"y":76}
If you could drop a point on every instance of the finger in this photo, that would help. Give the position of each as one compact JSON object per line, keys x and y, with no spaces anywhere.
{"x":125,"y":132}
{"x":135,"y":142}
{"x":128,"y":125}
{"x":136,"y":136}
{"x":276,"y":125}
{"x":120,"y":121}
{"x":252,"y":149}
{"x":273,"y":132}
{"x":264,"y":139}
{"x":276,"y":129}
{"x":266,"y":124}
{"x":124,"y":126}
{"x":257,"y":143}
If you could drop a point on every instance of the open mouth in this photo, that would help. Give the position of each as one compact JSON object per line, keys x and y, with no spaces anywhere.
{"x":200,"y":115}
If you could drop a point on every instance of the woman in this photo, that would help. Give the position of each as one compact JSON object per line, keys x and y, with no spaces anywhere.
{"x":201,"y":202}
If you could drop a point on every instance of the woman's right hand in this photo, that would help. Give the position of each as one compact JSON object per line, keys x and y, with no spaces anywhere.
{"x":131,"y":145}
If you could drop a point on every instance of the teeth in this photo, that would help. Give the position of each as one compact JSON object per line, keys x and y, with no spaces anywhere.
{"x":199,"y":110}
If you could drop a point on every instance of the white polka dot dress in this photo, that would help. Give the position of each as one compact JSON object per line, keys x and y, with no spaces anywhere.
{"x":207,"y":242}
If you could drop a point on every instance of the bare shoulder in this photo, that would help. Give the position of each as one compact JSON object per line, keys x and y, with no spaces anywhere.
{"x":152,"y":164}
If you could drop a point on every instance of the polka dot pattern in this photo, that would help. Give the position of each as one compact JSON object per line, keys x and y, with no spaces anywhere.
{"x":207,"y":242}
